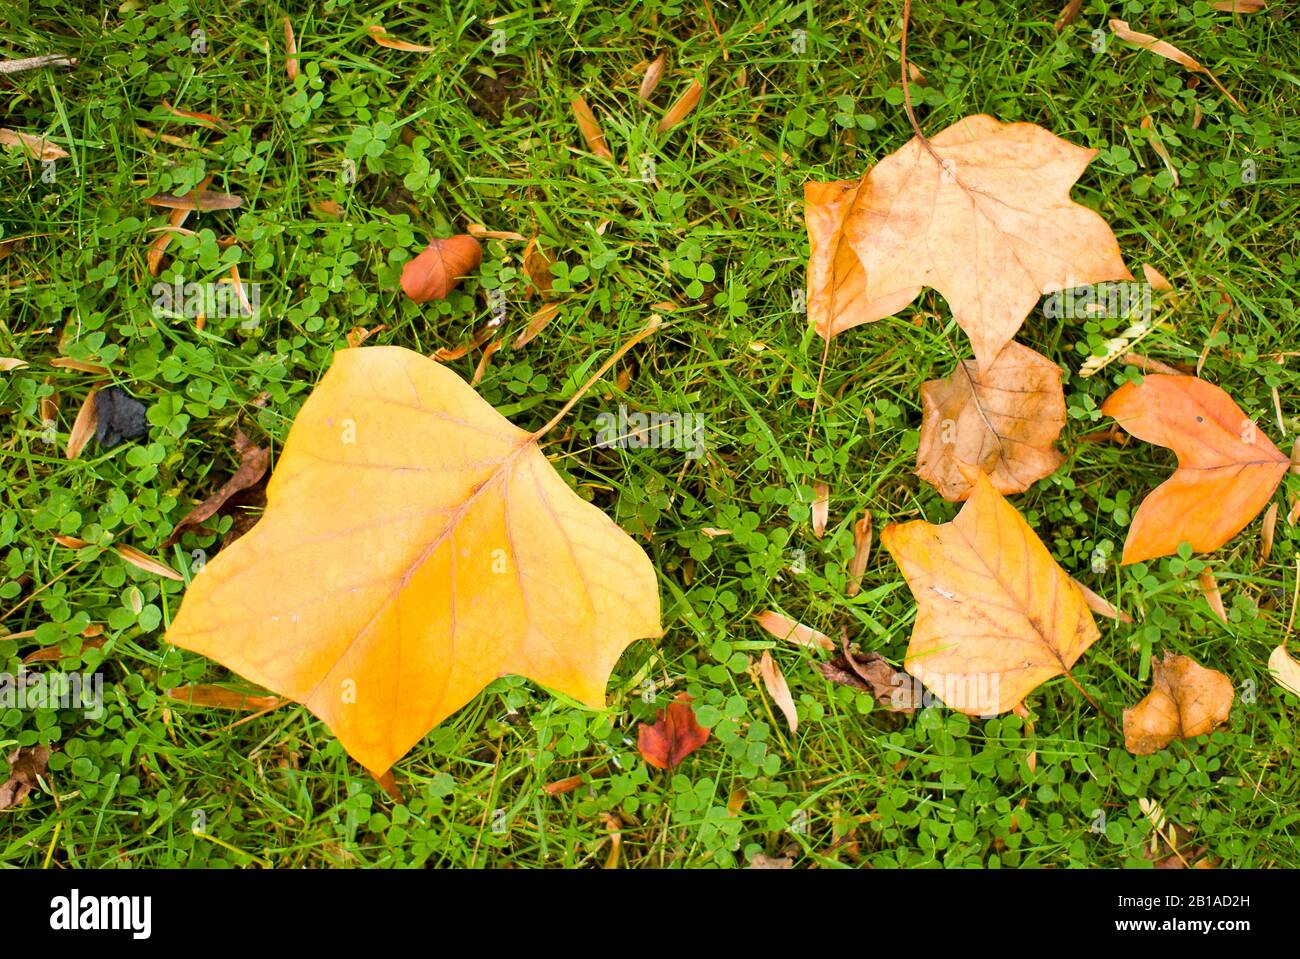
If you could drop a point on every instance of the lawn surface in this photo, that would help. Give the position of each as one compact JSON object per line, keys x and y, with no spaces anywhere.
{"x":707,"y":217}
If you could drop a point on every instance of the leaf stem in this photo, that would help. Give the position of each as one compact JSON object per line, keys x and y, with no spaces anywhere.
{"x":650,"y":327}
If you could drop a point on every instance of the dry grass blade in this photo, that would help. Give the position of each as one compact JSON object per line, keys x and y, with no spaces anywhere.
{"x":778,"y":689}
{"x":147,"y":563}
{"x":684,"y":105}
{"x":861,"y":554}
{"x":38,"y":148}
{"x":83,"y":427}
{"x":590,"y":129}
{"x":537,"y":323}
{"x":35,"y":63}
{"x":785,"y":628}
{"x":653,"y":74}
{"x":201,"y":200}
{"x":290,"y":51}
{"x":381,"y":37}
{"x":1210,"y":587}
{"x":1160,"y":48}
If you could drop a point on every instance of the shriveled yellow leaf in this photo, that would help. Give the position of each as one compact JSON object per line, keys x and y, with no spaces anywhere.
{"x":996,"y":616}
{"x":1186,"y":700}
{"x":415,"y":546}
{"x":1004,"y":420}
{"x":983,"y":214}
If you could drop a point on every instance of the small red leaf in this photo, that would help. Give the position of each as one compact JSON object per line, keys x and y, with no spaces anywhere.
{"x":440,"y":268}
{"x":673,"y":737}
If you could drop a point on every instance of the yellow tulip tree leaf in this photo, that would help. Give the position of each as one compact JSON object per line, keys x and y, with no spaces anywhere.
{"x":995,"y":615}
{"x":416,"y":546}
{"x":983,"y":215}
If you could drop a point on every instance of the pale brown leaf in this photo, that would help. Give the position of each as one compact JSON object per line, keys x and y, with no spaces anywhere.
{"x":784,"y":628}
{"x":653,"y":74}
{"x":1186,"y":700}
{"x":778,"y":689}
{"x":820,"y":508}
{"x":147,"y":563}
{"x":1160,"y":48}
{"x":382,"y":37}
{"x":83,"y":427}
{"x":590,"y":129}
{"x":861,"y":554}
{"x":38,"y":148}
{"x":683,"y":105}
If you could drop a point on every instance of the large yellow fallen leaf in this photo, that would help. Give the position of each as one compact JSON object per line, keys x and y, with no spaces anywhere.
{"x":995,"y":615}
{"x":1227,"y":468}
{"x":1004,"y":420}
{"x":983,"y":215}
{"x":415,"y":546}
{"x":1186,"y":700}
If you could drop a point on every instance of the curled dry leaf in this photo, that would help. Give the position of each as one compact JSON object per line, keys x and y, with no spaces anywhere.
{"x":9,"y":363}
{"x":26,"y":767}
{"x":205,"y":694}
{"x":536,"y":323}
{"x":1160,"y":48}
{"x":653,"y":74}
{"x":996,"y":616}
{"x":1186,"y":700}
{"x":872,"y":673}
{"x":415,"y":546}
{"x":590,"y":129}
{"x":38,"y":148}
{"x":861,"y":554}
{"x":382,"y":37}
{"x":68,"y":363}
{"x":480,"y":232}
{"x":1227,"y":468}
{"x":1267,"y":532}
{"x":784,"y":628}
{"x":820,"y":508}
{"x":203,"y":201}
{"x":147,"y":563}
{"x":1003,"y":419}
{"x":674,"y":736}
{"x":1285,"y":670}
{"x":1156,"y":280}
{"x":253,"y":463}
{"x":983,"y":215}
{"x":440,"y":267}
{"x":682,"y":106}
{"x":778,"y":689}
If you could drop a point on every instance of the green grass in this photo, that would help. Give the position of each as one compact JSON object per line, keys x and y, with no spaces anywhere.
{"x":434,"y":149}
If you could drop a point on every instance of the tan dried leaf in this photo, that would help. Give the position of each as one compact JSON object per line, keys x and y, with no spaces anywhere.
{"x":1186,"y":700}
{"x":783,"y":627}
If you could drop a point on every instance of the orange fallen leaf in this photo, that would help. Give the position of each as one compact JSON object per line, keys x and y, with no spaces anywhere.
{"x":996,"y":616}
{"x":415,"y":546}
{"x":675,"y":735}
{"x":382,"y":37}
{"x":52,"y":654}
{"x":590,"y":129}
{"x":1210,"y":587}
{"x":784,"y":628}
{"x":68,"y":363}
{"x":562,"y":786}
{"x":1240,"y":6}
{"x":861,"y":554}
{"x":1186,"y":700}
{"x":1227,"y":469}
{"x":1160,"y":48}
{"x":206,"y":118}
{"x":983,"y":215}
{"x":359,"y":334}
{"x":1101,"y":606}
{"x":1266,"y":533}
{"x":778,"y":689}
{"x":1003,"y":419}
{"x":682,"y":106}
{"x":440,"y":267}
{"x":203,"y":694}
